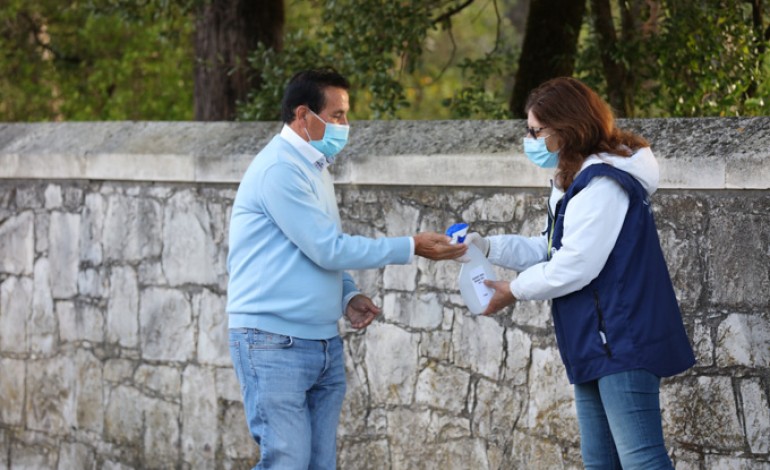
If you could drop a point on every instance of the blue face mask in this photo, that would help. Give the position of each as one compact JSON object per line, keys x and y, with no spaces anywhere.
{"x":538,"y":153}
{"x":334,"y":139}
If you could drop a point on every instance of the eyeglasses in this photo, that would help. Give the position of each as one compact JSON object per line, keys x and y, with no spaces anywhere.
{"x":534,"y":131}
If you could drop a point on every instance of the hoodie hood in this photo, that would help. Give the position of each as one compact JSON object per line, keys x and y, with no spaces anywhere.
{"x":642,"y":165}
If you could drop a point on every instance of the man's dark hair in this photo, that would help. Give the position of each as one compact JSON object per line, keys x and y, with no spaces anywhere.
{"x":307,"y":88}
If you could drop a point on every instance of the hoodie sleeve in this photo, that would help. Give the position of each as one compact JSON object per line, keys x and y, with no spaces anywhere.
{"x":592,"y":222}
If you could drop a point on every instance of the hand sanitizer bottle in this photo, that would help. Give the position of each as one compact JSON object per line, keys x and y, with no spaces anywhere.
{"x":475,"y":294}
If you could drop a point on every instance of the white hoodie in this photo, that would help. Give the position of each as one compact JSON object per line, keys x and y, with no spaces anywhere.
{"x":592,"y":222}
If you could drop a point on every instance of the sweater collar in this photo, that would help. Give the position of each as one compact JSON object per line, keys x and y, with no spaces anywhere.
{"x":307,"y":151}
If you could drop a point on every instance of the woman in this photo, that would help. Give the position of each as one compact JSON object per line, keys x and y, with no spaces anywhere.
{"x":616,"y":317}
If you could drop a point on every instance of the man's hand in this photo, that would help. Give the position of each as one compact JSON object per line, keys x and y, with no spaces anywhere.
{"x":436,"y":246}
{"x":501,"y":298}
{"x":481,"y":243}
{"x":361,"y":311}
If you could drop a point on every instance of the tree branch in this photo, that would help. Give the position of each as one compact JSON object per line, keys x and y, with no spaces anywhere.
{"x":449,"y":14}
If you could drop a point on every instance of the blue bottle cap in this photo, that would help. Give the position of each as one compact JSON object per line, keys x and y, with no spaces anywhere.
{"x":458,"y":232}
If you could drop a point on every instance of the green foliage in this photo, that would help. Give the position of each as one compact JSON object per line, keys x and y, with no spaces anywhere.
{"x":407,"y":59}
{"x":95,"y":60}
{"x":710,"y":71}
{"x":699,"y":58}
{"x":393,"y":52}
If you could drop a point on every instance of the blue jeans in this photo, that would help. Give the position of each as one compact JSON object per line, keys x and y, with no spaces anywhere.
{"x":292,"y":393}
{"x":620,"y":422}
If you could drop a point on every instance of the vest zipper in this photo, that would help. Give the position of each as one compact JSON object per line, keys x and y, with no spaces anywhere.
{"x":602,"y":326}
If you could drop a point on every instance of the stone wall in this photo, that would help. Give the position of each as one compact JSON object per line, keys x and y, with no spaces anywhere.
{"x":113,"y":346}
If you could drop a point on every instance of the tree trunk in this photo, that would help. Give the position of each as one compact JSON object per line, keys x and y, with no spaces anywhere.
{"x":226,"y":32}
{"x":549,"y":48}
{"x":762,"y":37}
{"x":615,"y":73}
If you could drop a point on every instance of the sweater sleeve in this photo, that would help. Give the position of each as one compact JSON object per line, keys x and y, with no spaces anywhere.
{"x":592,"y":222}
{"x":290,"y":200}
{"x":349,"y":290}
{"x":517,"y":252}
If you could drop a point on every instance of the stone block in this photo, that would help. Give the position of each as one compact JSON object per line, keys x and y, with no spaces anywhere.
{"x":17,"y":244}
{"x":724,"y":462}
{"x":25,"y":456}
{"x":87,"y":385}
{"x":118,"y":370}
{"x":52,"y":406}
{"x":41,"y":326}
{"x":227,"y":384}
{"x":414,"y":310}
{"x":405,"y":445}
{"x":67,"y":394}
{"x":400,"y":277}
{"x":188,"y":250}
{"x":16,"y":299}
{"x":518,"y":356}
{"x":92,"y":283}
{"x":92,"y":229}
{"x":28,"y":197}
{"x":161,"y":433}
{"x":367,"y":455}
{"x":80,"y":321}
{"x":702,"y":412}
{"x":160,"y":380}
{"x":401,"y":220}
{"x":122,"y":316}
{"x":352,"y":418}
{"x":123,"y":424}
{"x":12,"y":392}
{"x":5,"y":450}
{"x":72,"y":197}
{"x":237,"y":442}
{"x":537,"y":453}
{"x":756,"y":415}
{"x":436,"y":344}
{"x":151,"y":273}
{"x":703,"y":346}
{"x":477,"y":344}
{"x":743,"y":340}
{"x":496,"y":410}
{"x":166,"y":329}
{"x":53,"y":197}
{"x":533,"y":314}
{"x":213,"y":347}
{"x":75,"y":455}
{"x":42,"y":227}
{"x":551,"y":409}
{"x":64,"y":253}
{"x":391,"y":363}
{"x":439,"y":275}
{"x":738,"y":277}
{"x":199,"y":413}
{"x":131,"y":229}
{"x":441,"y":387}
{"x":495,"y":208}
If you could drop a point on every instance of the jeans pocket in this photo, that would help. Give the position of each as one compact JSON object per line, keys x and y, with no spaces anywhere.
{"x":263,"y":341}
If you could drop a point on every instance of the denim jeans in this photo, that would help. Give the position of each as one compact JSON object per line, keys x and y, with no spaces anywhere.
{"x":292,"y":394}
{"x":620,"y":422}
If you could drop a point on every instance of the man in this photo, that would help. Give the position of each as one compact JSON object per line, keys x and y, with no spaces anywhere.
{"x":288,"y":286}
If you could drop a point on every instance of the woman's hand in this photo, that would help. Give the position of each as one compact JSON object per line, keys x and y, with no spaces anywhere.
{"x":501,"y":298}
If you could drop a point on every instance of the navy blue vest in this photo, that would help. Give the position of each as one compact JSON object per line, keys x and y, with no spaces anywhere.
{"x":628,"y":317}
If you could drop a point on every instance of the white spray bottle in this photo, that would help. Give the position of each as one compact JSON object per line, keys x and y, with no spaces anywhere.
{"x":473,"y":273}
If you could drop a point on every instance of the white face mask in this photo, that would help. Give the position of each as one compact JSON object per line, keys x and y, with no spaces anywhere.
{"x":334,"y":139}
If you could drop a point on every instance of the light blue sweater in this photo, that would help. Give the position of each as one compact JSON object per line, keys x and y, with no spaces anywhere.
{"x":287,"y":251}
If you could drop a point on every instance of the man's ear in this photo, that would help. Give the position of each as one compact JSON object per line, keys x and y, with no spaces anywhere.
{"x":300,"y":112}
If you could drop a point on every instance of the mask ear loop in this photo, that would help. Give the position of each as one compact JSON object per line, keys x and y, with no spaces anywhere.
{"x":310,"y":139}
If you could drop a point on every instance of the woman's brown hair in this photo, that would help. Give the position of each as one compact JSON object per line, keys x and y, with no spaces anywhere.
{"x":584,"y":123}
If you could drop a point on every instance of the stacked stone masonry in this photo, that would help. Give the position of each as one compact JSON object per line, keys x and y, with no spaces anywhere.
{"x":113,"y":334}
